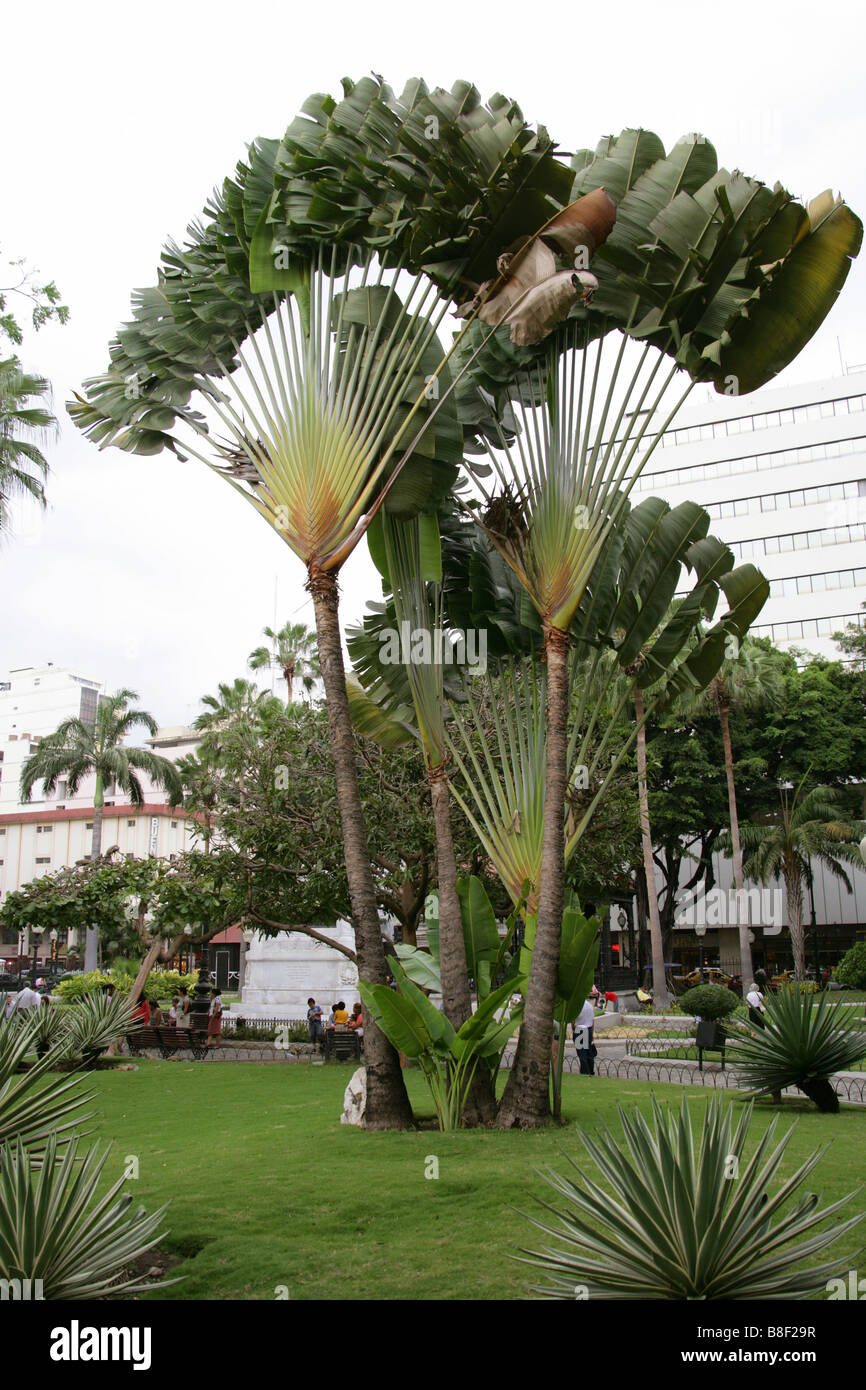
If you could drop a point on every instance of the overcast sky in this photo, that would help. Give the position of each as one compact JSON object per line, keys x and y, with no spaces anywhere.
{"x":118,"y":122}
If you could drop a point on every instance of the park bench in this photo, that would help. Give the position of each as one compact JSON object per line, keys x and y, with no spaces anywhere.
{"x":169,"y":1040}
{"x":341,"y":1042}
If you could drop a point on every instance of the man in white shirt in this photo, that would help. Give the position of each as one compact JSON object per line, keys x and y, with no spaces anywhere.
{"x":755,"y":1001}
{"x":27,"y":999}
{"x":582,"y":1033}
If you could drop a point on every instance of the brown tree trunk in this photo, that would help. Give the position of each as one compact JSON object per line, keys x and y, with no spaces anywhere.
{"x":661,"y":993}
{"x":526,"y":1100}
{"x":794,"y":891}
{"x":480,"y":1108}
{"x":144,"y":970}
{"x":91,"y":934}
{"x":387,"y":1102}
{"x":746,"y":968}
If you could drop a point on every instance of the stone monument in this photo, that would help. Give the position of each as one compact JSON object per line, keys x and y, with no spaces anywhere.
{"x":282,"y":972}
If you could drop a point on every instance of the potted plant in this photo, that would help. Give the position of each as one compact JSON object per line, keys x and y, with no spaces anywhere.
{"x":710,"y":1004}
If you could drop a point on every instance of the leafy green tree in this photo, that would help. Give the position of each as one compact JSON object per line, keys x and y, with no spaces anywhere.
{"x":812,"y":824}
{"x":78,"y":749}
{"x":293,"y":653}
{"x":44,"y":301}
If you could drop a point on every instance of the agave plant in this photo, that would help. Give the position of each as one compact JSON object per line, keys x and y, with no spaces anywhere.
{"x":33,"y":1105}
{"x":54,"y":1230}
{"x":51,"y":1030}
{"x":673,"y":1222}
{"x":96,"y":1020}
{"x":802,"y":1044}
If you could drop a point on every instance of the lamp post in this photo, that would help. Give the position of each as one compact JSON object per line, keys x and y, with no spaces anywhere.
{"x":200,"y":1004}
{"x":700,"y":933}
{"x":35,"y":932}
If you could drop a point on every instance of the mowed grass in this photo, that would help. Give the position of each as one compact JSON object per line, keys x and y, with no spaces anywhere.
{"x":269,"y":1192}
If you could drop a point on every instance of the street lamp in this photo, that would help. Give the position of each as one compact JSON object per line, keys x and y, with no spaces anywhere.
{"x":700,"y":933}
{"x":200,"y":1004}
{"x":36,"y":932}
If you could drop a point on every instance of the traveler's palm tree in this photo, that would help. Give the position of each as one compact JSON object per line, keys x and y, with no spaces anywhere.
{"x":23,"y":466}
{"x":293,"y":653}
{"x":686,"y":272}
{"x":811,"y":825}
{"x":79,"y":749}
{"x":749,"y":678}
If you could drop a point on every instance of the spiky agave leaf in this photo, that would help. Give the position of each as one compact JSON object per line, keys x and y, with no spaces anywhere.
{"x":95,"y":1020}
{"x":802,"y":1044}
{"x":31,"y":1107}
{"x":53,"y":1227}
{"x":666,"y":1220}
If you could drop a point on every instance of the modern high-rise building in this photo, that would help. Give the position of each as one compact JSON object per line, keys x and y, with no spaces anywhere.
{"x":782,"y":473}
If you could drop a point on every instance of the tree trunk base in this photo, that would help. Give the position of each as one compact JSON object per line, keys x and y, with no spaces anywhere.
{"x":822,"y":1093}
{"x":525,"y":1104}
{"x":479,"y":1111}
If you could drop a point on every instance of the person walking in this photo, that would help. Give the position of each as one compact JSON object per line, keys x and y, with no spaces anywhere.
{"x":27,"y":999}
{"x":215,"y":1018}
{"x":755,"y":1001}
{"x":582,"y":1030}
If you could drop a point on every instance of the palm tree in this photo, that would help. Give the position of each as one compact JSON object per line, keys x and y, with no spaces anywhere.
{"x":812,"y":825}
{"x":23,"y":467}
{"x":749,"y":678}
{"x":322,"y":372}
{"x":78,"y":749}
{"x":293,"y":652}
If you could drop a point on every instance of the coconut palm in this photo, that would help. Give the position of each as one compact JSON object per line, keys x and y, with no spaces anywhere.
{"x":749,"y":678}
{"x":78,"y":749}
{"x":292,"y":652}
{"x":23,"y":466}
{"x":811,"y":824}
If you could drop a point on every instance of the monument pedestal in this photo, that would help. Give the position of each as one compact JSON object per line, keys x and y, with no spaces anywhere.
{"x":282,"y":972}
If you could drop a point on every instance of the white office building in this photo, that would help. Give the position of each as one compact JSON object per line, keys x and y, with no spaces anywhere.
{"x":782,"y":473}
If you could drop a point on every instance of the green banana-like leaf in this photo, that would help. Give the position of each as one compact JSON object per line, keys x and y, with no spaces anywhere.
{"x":437,"y":1025}
{"x":480,"y":932}
{"x":577,"y":963}
{"x":398,"y":1018}
{"x":376,"y":721}
{"x":421,"y":967}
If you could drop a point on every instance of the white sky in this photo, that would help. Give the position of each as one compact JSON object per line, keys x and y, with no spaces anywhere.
{"x":118,"y":121}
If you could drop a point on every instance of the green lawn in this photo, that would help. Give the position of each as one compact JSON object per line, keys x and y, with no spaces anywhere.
{"x":267,"y":1188}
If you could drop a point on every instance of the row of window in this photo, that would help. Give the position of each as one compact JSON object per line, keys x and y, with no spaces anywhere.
{"x":819,"y":583}
{"x":807,"y":627}
{"x":750,"y":463}
{"x":768,"y":419}
{"x":799,"y":540}
{"x":778,"y":501}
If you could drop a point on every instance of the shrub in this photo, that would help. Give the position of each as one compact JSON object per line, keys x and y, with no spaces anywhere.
{"x":709,"y":1002}
{"x":851,"y":970}
{"x":677,"y":1227}
{"x":160,"y":984}
{"x":802,"y":1044}
{"x":95,"y":1021}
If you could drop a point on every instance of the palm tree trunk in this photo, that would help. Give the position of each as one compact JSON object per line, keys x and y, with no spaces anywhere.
{"x":480,"y":1108}
{"x":794,"y":890}
{"x":387,"y":1102}
{"x":746,"y":969}
{"x":526,"y":1101}
{"x":661,"y":994}
{"x":91,"y":933}
{"x":289,"y":673}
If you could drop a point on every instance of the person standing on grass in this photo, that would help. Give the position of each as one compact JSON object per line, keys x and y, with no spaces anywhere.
{"x":314,"y":1020}
{"x":582,"y":1030}
{"x":214,"y":1018}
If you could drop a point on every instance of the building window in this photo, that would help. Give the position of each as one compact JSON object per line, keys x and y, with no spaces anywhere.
{"x":174,"y":825}
{"x":43,"y":860}
{"x":131,"y":823}
{"x":44,"y":829}
{"x":88,"y":825}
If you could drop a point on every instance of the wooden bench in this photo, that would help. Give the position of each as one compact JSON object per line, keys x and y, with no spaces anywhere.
{"x":168,"y":1040}
{"x":341,"y":1042}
